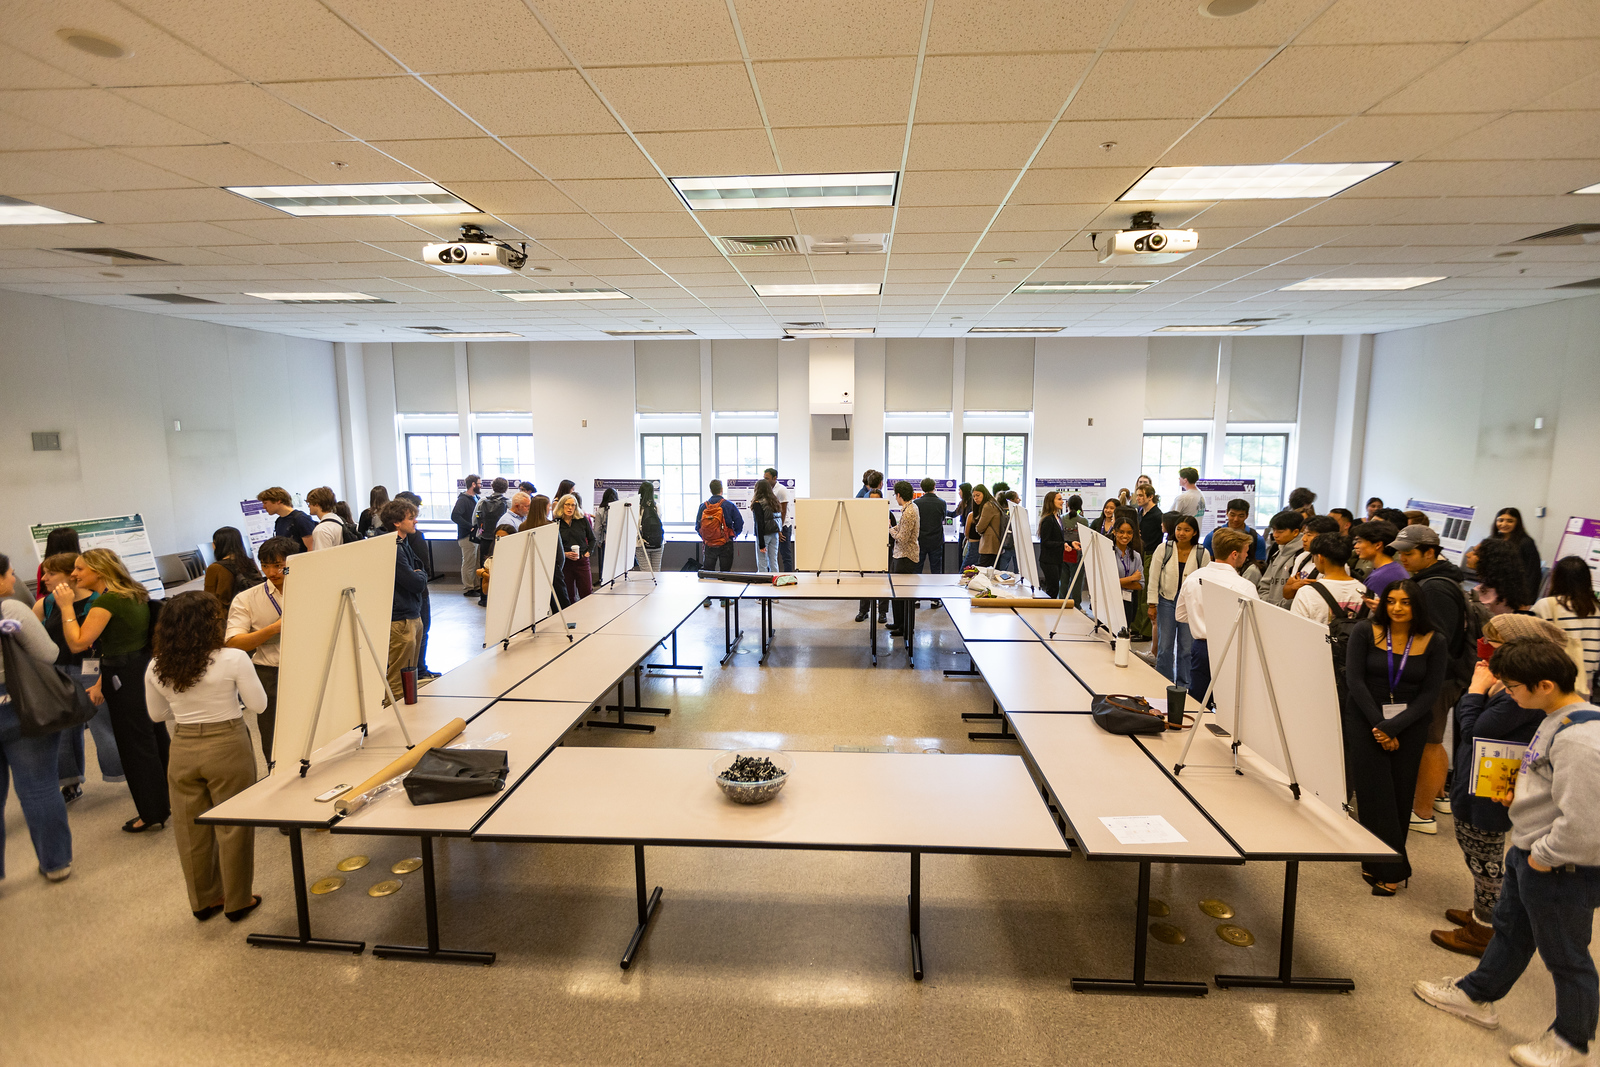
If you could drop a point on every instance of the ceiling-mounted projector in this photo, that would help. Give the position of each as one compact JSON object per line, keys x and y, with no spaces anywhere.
{"x":1145,"y":243}
{"x":476,"y":253}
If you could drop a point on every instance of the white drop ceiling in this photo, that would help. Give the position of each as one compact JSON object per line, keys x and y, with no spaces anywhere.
{"x":1015,"y":127}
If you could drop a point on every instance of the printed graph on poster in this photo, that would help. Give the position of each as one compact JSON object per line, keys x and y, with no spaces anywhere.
{"x":1452,"y":522}
{"x":123,"y":534}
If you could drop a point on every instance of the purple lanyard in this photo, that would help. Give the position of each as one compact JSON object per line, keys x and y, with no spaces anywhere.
{"x":279,"y":606}
{"x":1394,"y":675}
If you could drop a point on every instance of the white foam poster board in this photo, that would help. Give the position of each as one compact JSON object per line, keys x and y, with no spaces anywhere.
{"x":314,"y":583}
{"x":123,"y":534}
{"x":1301,"y":669}
{"x":1101,"y":580}
{"x":1027,"y":562}
{"x":855,"y":538}
{"x":521,"y":583}
{"x":622,"y":536}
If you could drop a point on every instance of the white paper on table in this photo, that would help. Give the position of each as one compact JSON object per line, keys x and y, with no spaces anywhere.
{"x":1141,"y":829}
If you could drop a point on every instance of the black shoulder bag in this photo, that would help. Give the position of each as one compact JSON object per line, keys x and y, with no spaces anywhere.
{"x":45,"y":697}
{"x":1119,"y":713}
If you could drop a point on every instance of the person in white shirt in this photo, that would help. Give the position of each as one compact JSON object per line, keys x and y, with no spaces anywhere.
{"x":1305,"y":569}
{"x":1190,"y":500}
{"x":1230,"y":550}
{"x":515,"y":516}
{"x":255,"y":619}
{"x":1332,"y":553}
{"x":200,"y":684}
{"x":785,"y":519}
{"x":329,"y":531}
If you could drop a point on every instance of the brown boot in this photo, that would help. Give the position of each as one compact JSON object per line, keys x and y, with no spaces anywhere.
{"x":1459,"y":916}
{"x":1469,"y":940}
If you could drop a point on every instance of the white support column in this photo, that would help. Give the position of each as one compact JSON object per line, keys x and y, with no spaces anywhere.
{"x":355,"y":440}
{"x":1350,"y":420}
{"x":708,"y":440}
{"x":1216,"y":443}
{"x":958,"y":407}
{"x":469,"y":445}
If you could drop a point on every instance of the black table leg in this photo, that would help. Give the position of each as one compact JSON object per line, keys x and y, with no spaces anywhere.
{"x":638,"y":696}
{"x":872,"y":621}
{"x":969,"y":716}
{"x":620,"y":723}
{"x":730,"y":637}
{"x":1137,"y":985}
{"x":647,"y":907}
{"x":914,"y":906}
{"x":971,"y":671}
{"x":674,"y":665}
{"x":303,"y":939}
{"x":767,"y":632}
{"x":911,"y":633}
{"x":430,"y":899}
{"x":1285,"y":978}
{"x":1004,"y":733}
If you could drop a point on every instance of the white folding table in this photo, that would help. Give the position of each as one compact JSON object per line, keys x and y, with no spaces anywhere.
{"x":823,"y":586}
{"x":585,"y":671}
{"x":495,"y":670}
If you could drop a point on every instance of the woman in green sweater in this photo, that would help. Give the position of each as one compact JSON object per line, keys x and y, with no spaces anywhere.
{"x":118,"y":628}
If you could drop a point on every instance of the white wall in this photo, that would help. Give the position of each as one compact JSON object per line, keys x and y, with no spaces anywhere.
{"x":1452,"y":410}
{"x":257,"y":409}
{"x":1076,"y":379}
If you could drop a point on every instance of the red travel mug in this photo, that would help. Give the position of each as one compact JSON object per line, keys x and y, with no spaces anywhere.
{"x":408,"y":684}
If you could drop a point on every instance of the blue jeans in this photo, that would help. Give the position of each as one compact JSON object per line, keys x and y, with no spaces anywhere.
{"x":786,"y":549}
{"x":1199,"y":669}
{"x":32,"y":761}
{"x":72,"y":766}
{"x":767,"y":559}
{"x":1553,"y":913}
{"x":1007,"y":560}
{"x":969,"y":558}
{"x":1173,"y":643}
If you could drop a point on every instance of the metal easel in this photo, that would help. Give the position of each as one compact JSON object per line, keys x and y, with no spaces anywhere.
{"x":531,"y":548}
{"x":358,"y":630}
{"x":840,"y":515}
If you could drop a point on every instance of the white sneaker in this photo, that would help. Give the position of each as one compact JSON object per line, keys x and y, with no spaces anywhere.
{"x":1424,"y":826}
{"x":1441,"y":805}
{"x":61,"y":874}
{"x":1445,"y":995}
{"x":1551,"y":1050}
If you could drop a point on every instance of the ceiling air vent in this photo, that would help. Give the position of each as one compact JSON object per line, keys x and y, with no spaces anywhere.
{"x":430,"y":329}
{"x":760,"y":246}
{"x":172,"y":298}
{"x":861,"y":243}
{"x":116,"y":257}
{"x":49,"y":441}
{"x":1591,"y":283}
{"x":1582,"y":233}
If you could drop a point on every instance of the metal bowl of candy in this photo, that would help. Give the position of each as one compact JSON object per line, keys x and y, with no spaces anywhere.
{"x":753,"y":776}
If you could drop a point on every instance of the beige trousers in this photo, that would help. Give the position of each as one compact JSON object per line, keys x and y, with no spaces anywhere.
{"x":209,"y":763}
{"x":405,"y":641}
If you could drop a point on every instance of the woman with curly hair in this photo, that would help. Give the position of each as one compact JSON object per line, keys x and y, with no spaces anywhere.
{"x":1502,"y":577}
{"x":200,"y":684}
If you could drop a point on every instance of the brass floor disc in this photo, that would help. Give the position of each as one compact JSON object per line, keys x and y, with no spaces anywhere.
{"x":1236,"y":935}
{"x":355,"y":863}
{"x":1217,"y":909}
{"x":406,"y":866}
{"x":1159,"y":909}
{"x":327,"y":885}
{"x":1167,"y":934}
{"x":384,"y":889}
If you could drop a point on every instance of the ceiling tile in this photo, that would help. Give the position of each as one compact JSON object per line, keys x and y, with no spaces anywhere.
{"x":1384,"y":22}
{"x":934,"y":188}
{"x":155,"y":57}
{"x":1475,"y":79}
{"x":1162,"y":85}
{"x":459,"y":35}
{"x":1133,"y":142}
{"x":602,"y":33}
{"x":235,"y":112}
{"x":622,"y":194}
{"x":1529,"y":135}
{"x":830,"y":28}
{"x":316,"y":160}
{"x":97,"y":116}
{"x":1333,"y":79}
{"x":838,"y":220}
{"x":464,"y":159}
{"x":992,"y":26}
{"x":1079,"y":185}
{"x":20,"y":135}
{"x":377,"y":109}
{"x":1001,"y":88}
{"x":932,"y":243}
{"x":1563,"y":19}
{"x":1496,"y":178}
{"x":1241,"y":141}
{"x":745,"y":222}
{"x":711,"y":152}
{"x":26,"y":174}
{"x":541,"y":102}
{"x":18,"y":70}
{"x":715,"y":96}
{"x":529,"y":197}
{"x":1161,"y":23}
{"x":571,"y":224}
{"x":973,"y":145}
{"x":840,"y":149}
{"x":837,"y":92}
{"x":941,"y":219}
{"x":632,"y":224}
{"x":1384,"y":137}
{"x":269,"y":42}
{"x":604,"y":155}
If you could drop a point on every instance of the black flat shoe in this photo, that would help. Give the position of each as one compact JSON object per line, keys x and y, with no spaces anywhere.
{"x":69,"y":793}
{"x":129,"y":828}
{"x":861,"y":617}
{"x":208,"y":913}
{"x":235,"y":916}
{"x":1370,"y":879}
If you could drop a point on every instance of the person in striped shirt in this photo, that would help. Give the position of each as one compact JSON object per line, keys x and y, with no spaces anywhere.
{"x":1572,"y":606}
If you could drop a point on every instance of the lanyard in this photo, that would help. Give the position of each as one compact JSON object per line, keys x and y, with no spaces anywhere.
{"x":1394,"y":675}
{"x":274,"y":599}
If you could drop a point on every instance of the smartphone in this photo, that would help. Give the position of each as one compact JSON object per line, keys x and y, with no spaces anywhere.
{"x":336,"y":791}
{"x":1219,"y":731}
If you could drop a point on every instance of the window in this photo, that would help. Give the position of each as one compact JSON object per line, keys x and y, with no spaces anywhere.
{"x":1165,"y":454}
{"x":997,"y":457}
{"x":915,"y":456}
{"x":506,"y":455}
{"x":1262,"y":456}
{"x":745,"y":455}
{"x":433,"y":463}
{"x":674,"y":459}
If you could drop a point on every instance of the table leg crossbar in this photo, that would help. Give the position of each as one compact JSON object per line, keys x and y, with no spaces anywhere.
{"x":646,"y":905}
{"x":303,"y":939}
{"x":1285,"y":978}
{"x":1003,"y":734}
{"x":1138,"y":985}
{"x":674,"y":665}
{"x":971,"y":671}
{"x":431,"y":951}
{"x":620,"y":722}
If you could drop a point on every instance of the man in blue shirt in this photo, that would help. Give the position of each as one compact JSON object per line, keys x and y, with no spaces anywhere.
{"x":410,"y":586}
{"x":1238,"y":519}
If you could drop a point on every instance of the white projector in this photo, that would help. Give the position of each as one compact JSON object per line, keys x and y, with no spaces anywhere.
{"x":1150,"y":246}
{"x":473,"y":257}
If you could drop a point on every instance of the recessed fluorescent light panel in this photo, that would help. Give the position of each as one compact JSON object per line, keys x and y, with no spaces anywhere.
{"x":650,"y":333}
{"x":788,"y":190}
{"x":1595,"y":188}
{"x":320,"y":298}
{"x":380,"y":198}
{"x":1357,"y":285}
{"x":828,"y":331}
{"x":531,"y":295}
{"x":472,"y":334}
{"x":1231,"y":328}
{"x":1082,"y":287}
{"x":821,"y":289}
{"x":1270,"y":181}
{"x":14,"y":212}
{"x":1015,"y":329}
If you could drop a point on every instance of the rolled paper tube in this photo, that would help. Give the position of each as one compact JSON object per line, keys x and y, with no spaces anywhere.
{"x":1015,"y":602}
{"x":742,"y":577}
{"x":440,"y":737}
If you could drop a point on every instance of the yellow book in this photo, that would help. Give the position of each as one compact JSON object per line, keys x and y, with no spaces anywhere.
{"x":1494,"y":766}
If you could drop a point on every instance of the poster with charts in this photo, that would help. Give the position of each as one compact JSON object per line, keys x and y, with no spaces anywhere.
{"x":741,"y":491}
{"x":1218,"y":491}
{"x":1452,"y":522}
{"x":945,"y":488}
{"x":123,"y":534}
{"x":1581,"y":538}
{"x":625,"y":487}
{"x":1092,"y":490}
{"x":258,"y":525}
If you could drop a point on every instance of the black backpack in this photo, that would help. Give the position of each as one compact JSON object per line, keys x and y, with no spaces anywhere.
{"x":1341,"y":620}
{"x":1464,"y":656}
{"x":487,"y":517}
{"x":349,"y":535}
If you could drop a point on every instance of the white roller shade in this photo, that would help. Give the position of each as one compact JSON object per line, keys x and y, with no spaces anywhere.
{"x":744,"y":375}
{"x":1265,"y":383}
{"x":498,"y":376}
{"x":999,"y":374}
{"x":1181,"y":378}
{"x":666,"y":376}
{"x":424,"y":378}
{"x":919,"y":373}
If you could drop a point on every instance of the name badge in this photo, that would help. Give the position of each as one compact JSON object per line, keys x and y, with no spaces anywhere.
{"x":91,"y":668}
{"x":1391,"y":710}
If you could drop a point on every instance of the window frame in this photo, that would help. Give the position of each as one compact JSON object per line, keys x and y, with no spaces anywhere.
{"x":694,"y":487}
{"x":490,"y":476}
{"x":1020,"y":485}
{"x":1263,"y":513}
{"x":716,"y":458}
{"x":452,"y":474}
{"x":1166,"y":485}
{"x":905,"y":468}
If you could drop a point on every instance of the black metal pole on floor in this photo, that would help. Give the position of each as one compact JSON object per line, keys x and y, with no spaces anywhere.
{"x":914,"y":907}
{"x":646,"y":906}
{"x":1285,"y":978}
{"x":303,"y":939}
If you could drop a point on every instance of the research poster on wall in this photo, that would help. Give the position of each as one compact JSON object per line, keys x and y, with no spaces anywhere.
{"x":625,"y":487}
{"x":1581,"y":538}
{"x":123,"y":534}
{"x":258,"y":525}
{"x":1218,"y":491}
{"x":1092,"y":490}
{"x":740,"y":491}
{"x":1452,"y":522}
{"x":944,"y":488}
